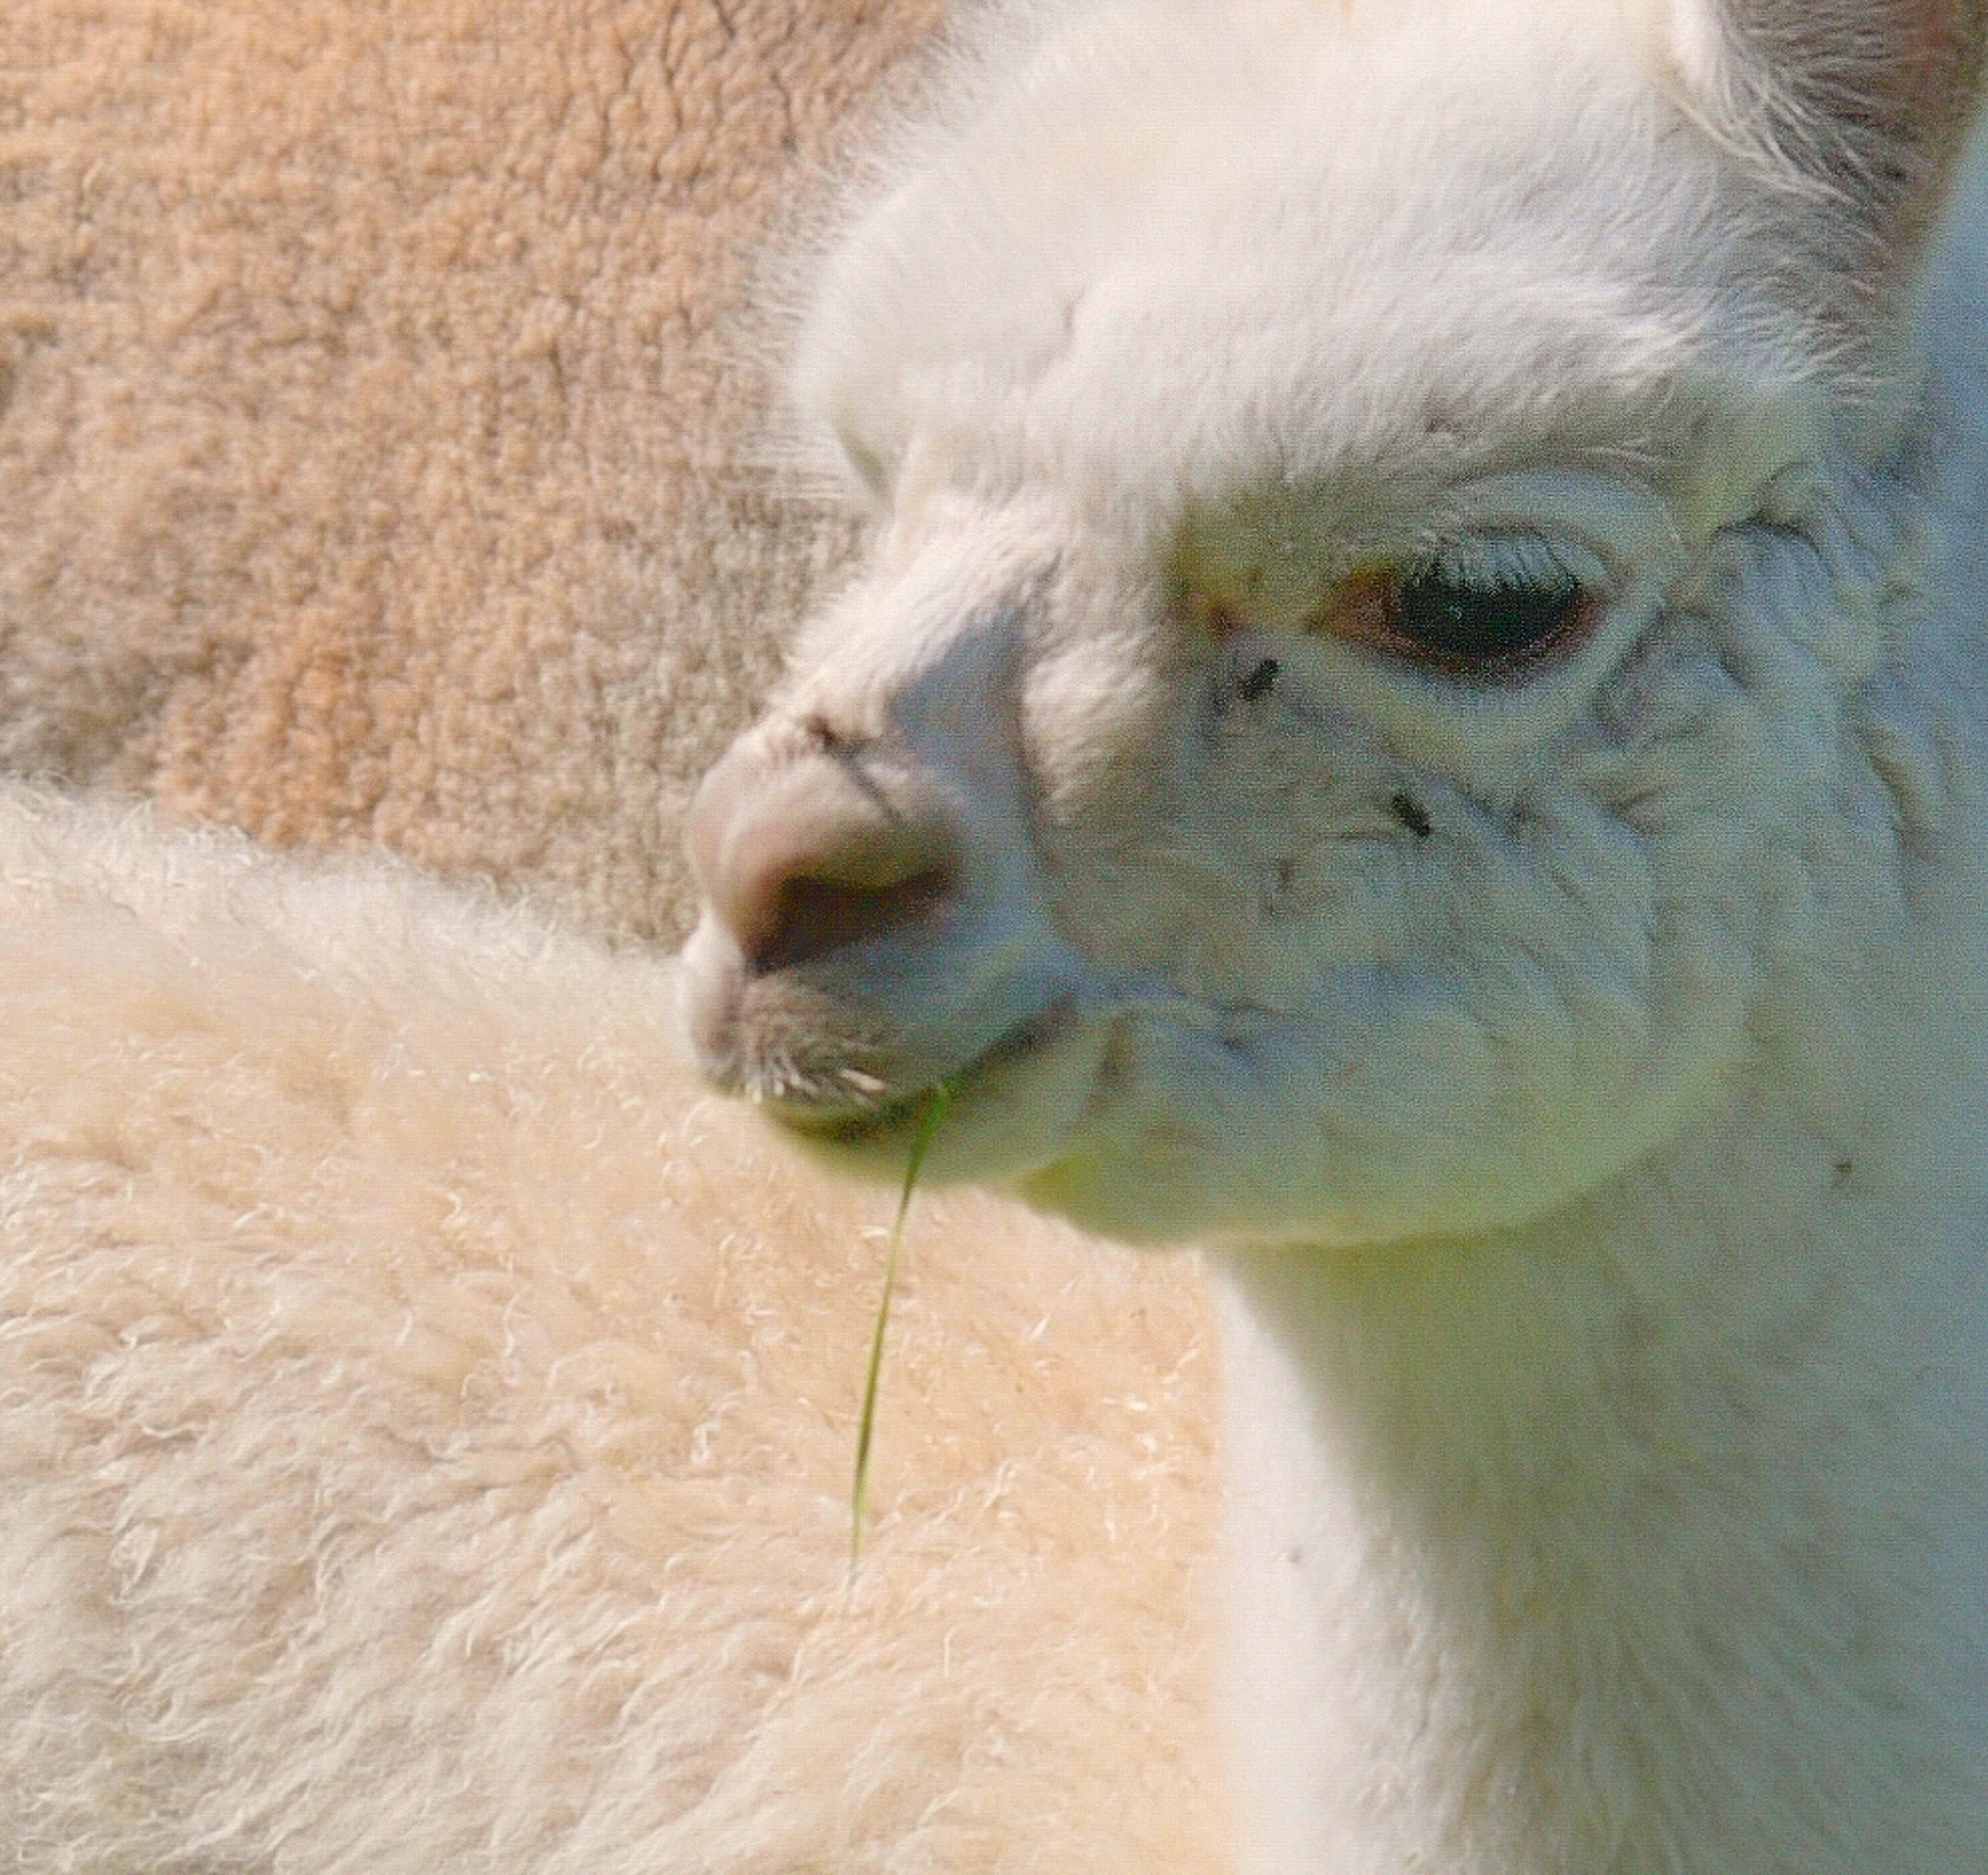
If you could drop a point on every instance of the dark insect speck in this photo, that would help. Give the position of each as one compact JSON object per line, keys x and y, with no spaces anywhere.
{"x":1411,"y":813}
{"x":1257,"y":684}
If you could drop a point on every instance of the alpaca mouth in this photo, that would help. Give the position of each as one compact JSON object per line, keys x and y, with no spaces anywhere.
{"x":896,"y":1112}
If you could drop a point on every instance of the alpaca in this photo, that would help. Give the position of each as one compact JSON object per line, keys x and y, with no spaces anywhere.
{"x":1413,"y":718}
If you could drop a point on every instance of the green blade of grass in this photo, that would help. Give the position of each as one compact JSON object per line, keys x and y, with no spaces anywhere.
{"x":936,"y":1103}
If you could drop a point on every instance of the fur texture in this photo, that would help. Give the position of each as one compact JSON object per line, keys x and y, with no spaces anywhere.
{"x":381,"y":452}
{"x":418,"y":1455}
{"x":1415,"y":715}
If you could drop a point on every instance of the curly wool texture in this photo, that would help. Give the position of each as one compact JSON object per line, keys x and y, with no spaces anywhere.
{"x":380,"y":447}
{"x":417,"y":1457}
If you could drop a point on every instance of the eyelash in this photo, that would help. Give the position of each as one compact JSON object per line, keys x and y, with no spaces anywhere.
{"x":1491,"y":610}
{"x":1488,"y":610}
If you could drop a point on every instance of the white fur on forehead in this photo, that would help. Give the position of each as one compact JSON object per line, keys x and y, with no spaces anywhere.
{"x":1179,"y":243}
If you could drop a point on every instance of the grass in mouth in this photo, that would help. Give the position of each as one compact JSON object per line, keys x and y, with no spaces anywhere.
{"x":929,"y":1122}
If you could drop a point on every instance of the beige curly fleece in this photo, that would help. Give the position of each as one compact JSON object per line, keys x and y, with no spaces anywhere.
{"x":375,"y":436}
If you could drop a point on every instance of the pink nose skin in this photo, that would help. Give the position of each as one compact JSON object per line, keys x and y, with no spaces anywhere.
{"x":801,"y":861}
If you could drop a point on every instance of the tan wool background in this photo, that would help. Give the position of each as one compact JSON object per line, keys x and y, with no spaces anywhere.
{"x":379,"y":457}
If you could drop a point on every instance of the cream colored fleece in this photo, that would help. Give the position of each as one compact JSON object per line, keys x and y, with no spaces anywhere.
{"x":374,"y":436}
{"x":417,"y":1458}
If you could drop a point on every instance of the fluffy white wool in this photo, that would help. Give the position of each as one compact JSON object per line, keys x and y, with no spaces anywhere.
{"x":1574,"y":1039}
{"x":426,"y":1421}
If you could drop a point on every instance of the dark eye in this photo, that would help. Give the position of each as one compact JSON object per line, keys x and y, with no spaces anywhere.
{"x":1462,"y":624}
{"x":1465,"y":620}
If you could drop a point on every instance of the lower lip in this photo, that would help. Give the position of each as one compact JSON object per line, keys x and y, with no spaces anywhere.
{"x":867,"y":1126}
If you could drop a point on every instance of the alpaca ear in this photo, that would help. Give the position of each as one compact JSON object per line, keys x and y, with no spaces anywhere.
{"x":1860,"y":104}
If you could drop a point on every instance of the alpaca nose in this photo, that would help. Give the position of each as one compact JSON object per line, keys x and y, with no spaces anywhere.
{"x":816,"y":858}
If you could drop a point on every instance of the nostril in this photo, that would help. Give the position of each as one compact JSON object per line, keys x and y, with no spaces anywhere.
{"x":810,"y":917}
{"x":803,"y":859}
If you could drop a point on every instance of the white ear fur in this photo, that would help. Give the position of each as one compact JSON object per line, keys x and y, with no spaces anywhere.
{"x":1860,"y":105}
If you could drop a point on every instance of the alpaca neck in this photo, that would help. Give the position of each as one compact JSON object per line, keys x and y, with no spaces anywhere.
{"x":1648,"y":1539}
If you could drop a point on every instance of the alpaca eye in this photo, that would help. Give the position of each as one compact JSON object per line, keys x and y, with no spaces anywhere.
{"x":1461,"y":625}
{"x":1489,"y":612}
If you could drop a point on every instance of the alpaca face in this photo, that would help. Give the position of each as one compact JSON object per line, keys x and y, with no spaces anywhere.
{"x":1346,"y":708}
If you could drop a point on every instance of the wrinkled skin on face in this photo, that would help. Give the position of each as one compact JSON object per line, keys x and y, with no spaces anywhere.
{"x":1351,"y":699}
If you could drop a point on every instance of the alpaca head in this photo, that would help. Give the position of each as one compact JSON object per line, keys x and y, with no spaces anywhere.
{"x":1385,"y":578}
